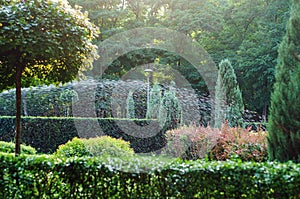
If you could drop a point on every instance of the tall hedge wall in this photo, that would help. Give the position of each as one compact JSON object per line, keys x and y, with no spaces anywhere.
{"x":46,"y":134}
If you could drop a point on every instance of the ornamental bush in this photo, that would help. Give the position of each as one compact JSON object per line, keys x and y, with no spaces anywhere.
{"x":108,"y":146}
{"x":196,"y":142}
{"x":99,"y":146}
{"x":72,"y":148}
{"x":237,"y":142}
{"x":191,"y":142}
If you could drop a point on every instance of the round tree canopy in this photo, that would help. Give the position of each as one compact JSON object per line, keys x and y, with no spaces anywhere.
{"x":48,"y":39}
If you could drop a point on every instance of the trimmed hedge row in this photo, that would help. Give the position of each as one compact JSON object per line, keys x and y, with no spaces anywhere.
{"x":144,"y":177}
{"x":46,"y":133}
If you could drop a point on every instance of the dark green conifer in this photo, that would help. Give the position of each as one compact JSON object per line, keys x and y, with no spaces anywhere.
{"x":284,"y":120}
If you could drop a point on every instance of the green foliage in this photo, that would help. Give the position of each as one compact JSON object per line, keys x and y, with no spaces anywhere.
{"x":198,"y":142}
{"x":44,"y":41}
{"x":229,"y":103}
{"x":75,"y":147}
{"x":108,"y":146}
{"x":49,"y":40}
{"x":154,"y":102}
{"x":43,"y":133}
{"x":170,"y":110}
{"x":48,"y":177}
{"x":249,"y":36}
{"x":93,"y":147}
{"x":284,"y":122}
{"x":257,"y":54}
{"x":9,"y":147}
{"x":46,"y":134}
{"x":247,"y":32}
{"x":130,"y":108}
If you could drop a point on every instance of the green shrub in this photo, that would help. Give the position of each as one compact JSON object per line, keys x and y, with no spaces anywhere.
{"x":9,"y":147}
{"x":105,"y":145}
{"x":199,"y":142}
{"x":99,"y":146}
{"x":74,"y":147}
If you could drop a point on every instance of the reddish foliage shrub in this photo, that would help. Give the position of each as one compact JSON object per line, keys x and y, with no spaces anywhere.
{"x":191,"y":142}
{"x":242,"y":143}
{"x":217,"y":144}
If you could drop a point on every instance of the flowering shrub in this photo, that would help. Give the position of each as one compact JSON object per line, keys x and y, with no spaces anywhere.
{"x":196,"y":142}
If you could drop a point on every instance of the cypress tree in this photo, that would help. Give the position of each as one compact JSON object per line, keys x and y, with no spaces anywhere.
{"x":170,"y":111}
{"x":130,"y":106}
{"x":154,"y":104}
{"x":284,"y":119}
{"x":228,"y":103}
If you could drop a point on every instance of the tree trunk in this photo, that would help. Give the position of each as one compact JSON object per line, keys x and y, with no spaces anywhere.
{"x":18,"y":109}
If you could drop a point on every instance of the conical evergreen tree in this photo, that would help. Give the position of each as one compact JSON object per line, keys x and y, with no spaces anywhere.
{"x":170,"y":111}
{"x":154,"y":104}
{"x":284,"y":120}
{"x":228,"y":103}
{"x":130,"y":109}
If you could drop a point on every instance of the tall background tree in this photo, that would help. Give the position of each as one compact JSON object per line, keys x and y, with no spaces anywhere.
{"x":284,"y":124}
{"x":229,"y":103}
{"x":226,"y":29}
{"x":42,"y":42}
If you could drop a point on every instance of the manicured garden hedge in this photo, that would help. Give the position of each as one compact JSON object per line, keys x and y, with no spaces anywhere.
{"x":46,"y":133}
{"x":143,"y":177}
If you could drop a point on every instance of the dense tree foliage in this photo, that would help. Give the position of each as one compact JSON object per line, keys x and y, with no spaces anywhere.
{"x":284,"y":133}
{"x":245,"y":31}
{"x":44,"y":42}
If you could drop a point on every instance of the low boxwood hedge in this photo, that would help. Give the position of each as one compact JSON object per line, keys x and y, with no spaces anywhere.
{"x":44,"y":176}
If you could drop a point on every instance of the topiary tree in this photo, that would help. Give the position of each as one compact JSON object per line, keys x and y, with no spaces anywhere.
{"x":42,"y":42}
{"x":284,"y":120}
{"x":228,"y":103}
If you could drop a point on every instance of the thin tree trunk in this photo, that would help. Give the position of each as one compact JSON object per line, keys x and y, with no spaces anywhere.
{"x":18,"y":109}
